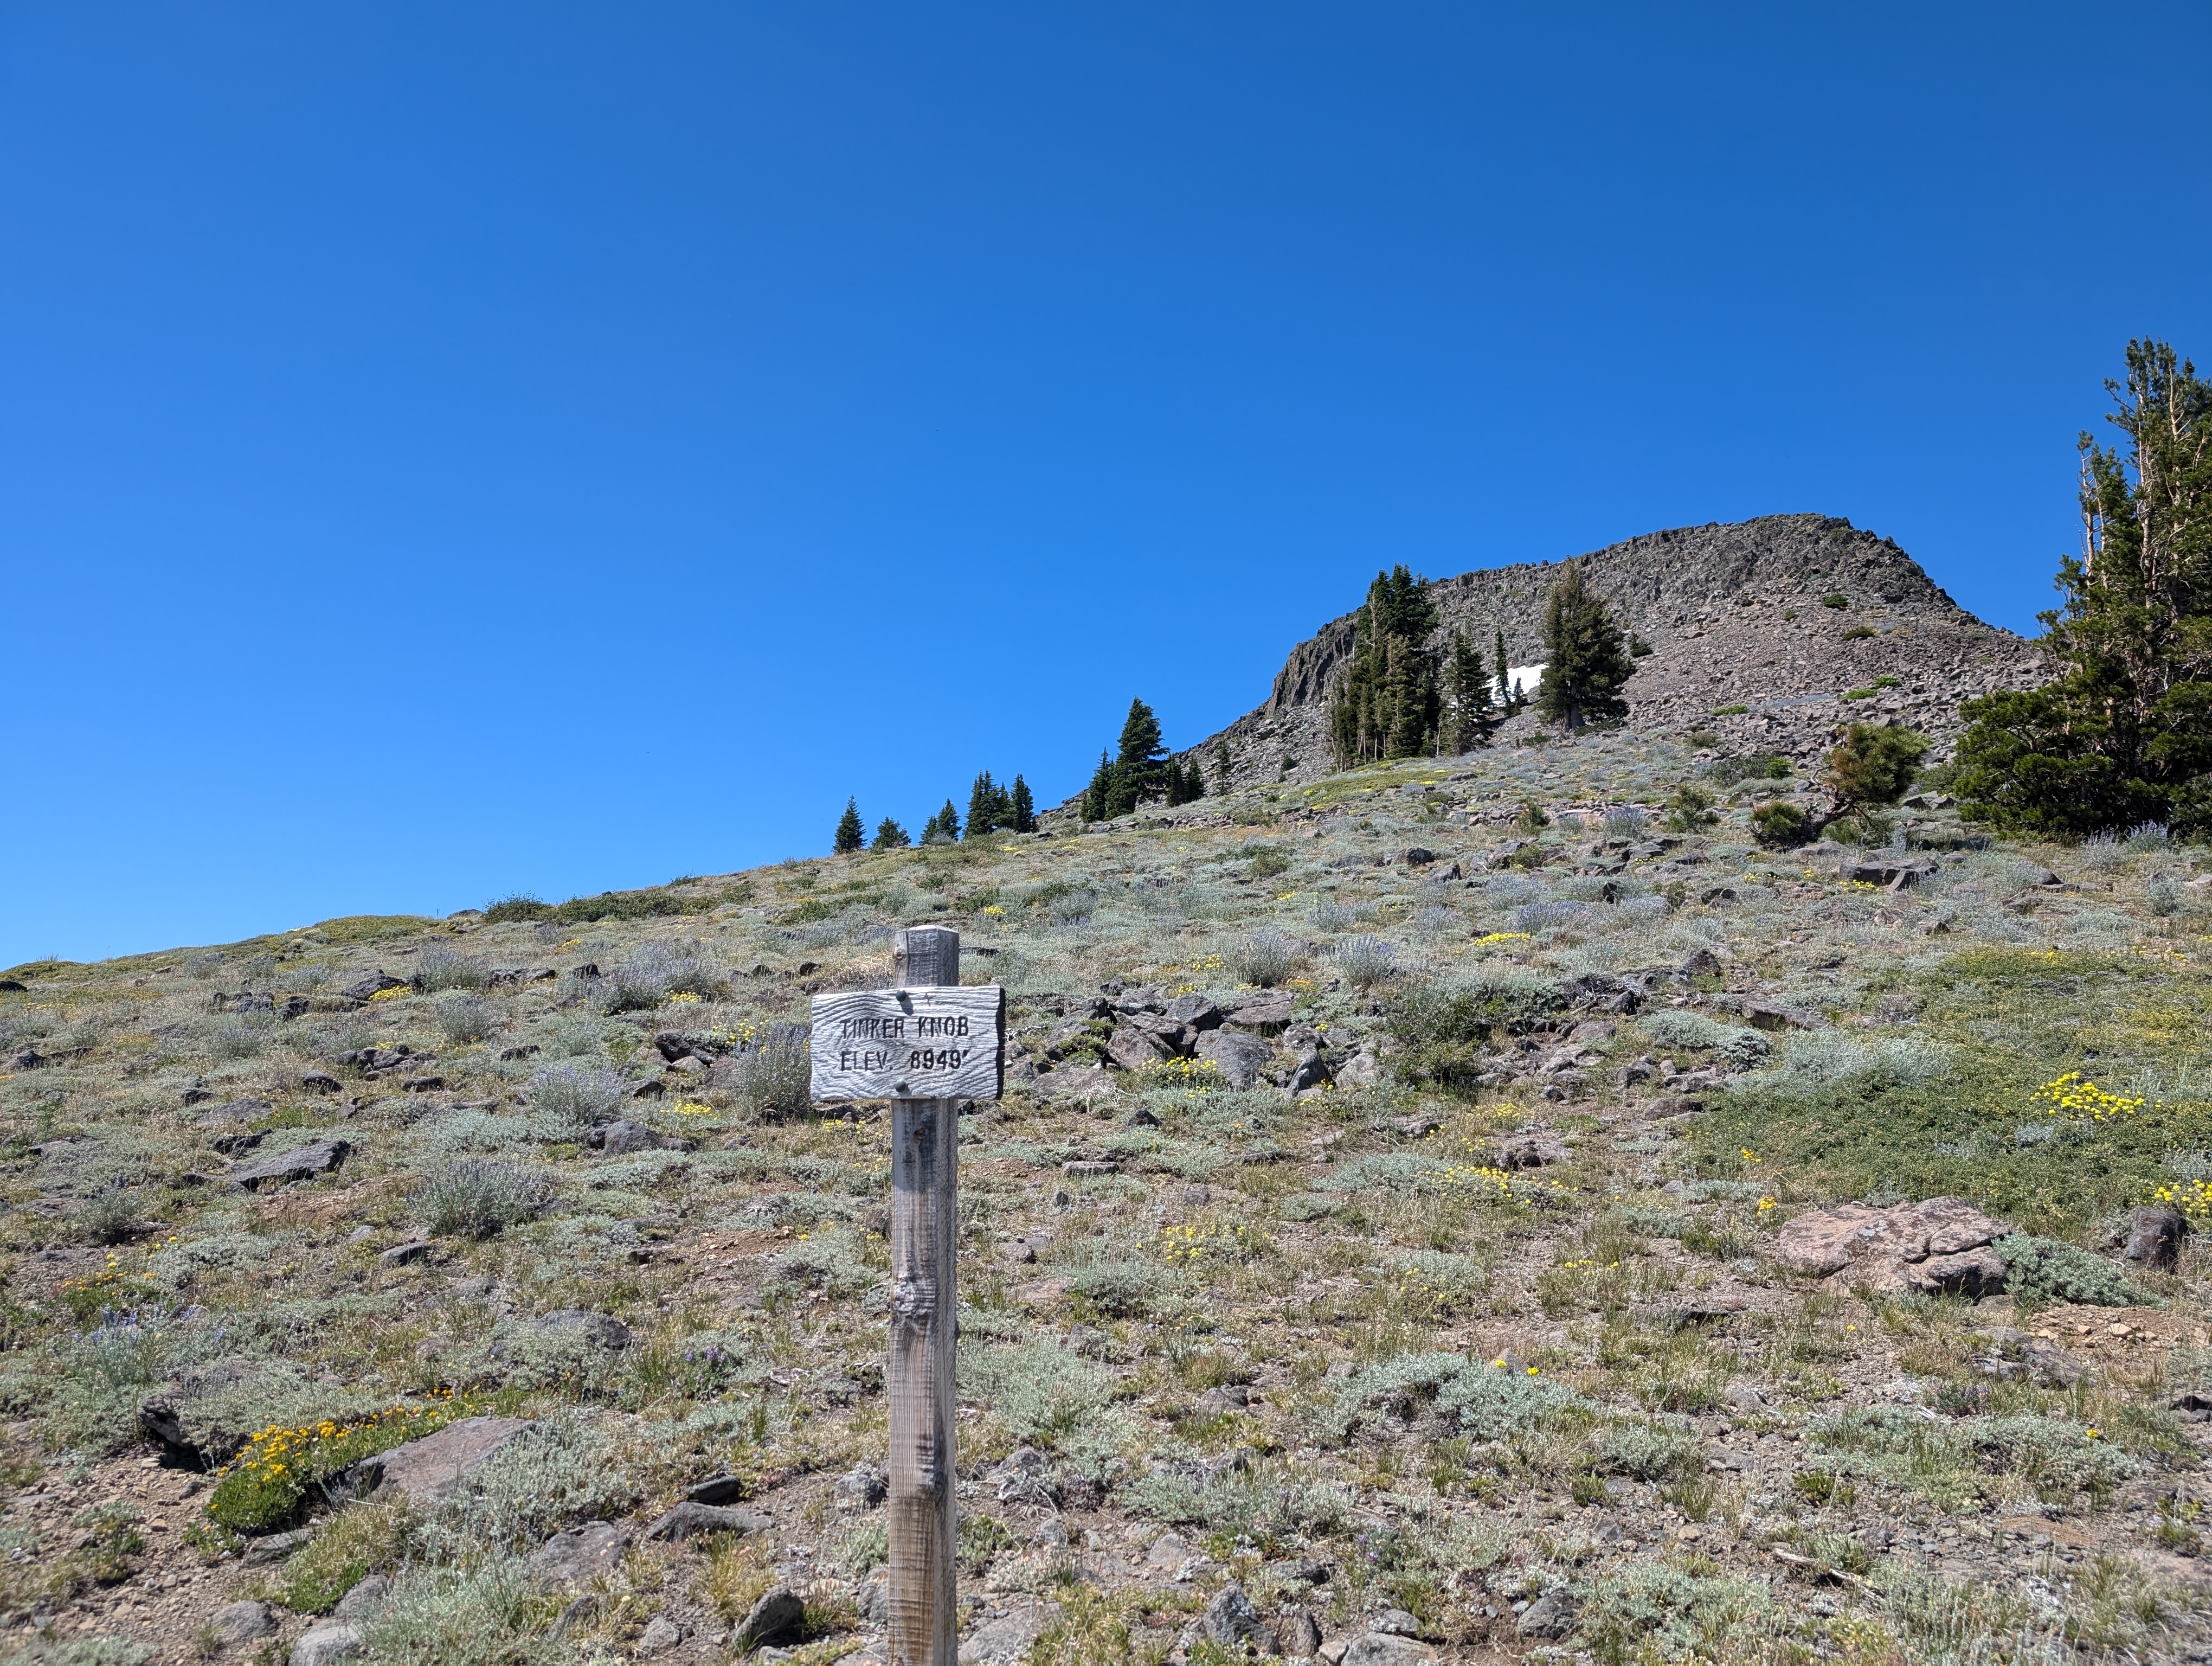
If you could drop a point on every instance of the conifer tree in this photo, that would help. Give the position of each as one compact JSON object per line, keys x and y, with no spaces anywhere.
{"x":943,"y":827}
{"x":1139,"y":772}
{"x":1098,"y":796}
{"x":1222,"y":763}
{"x":1505,"y":687}
{"x":1388,"y":702}
{"x":1470,"y":687}
{"x":2123,"y":734}
{"x":989,"y":808}
{"x":851,"y":834}
{"x":1586,"y":655}
{"x":890,"y":835}
{"x":1021,"y":808}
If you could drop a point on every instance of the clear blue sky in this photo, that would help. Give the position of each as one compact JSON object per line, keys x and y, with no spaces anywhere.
{"x":452,"y":449}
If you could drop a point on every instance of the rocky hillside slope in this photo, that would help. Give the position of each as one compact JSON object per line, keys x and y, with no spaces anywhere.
{"x":1405,"y":1239}
{"x":1736,"y":616}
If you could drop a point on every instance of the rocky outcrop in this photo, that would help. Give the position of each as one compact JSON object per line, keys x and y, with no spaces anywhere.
{"x":1734,"y":615}
{"x":1939,"y":1245}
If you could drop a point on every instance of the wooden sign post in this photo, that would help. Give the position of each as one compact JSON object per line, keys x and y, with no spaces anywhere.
{"x":925,"y":1045}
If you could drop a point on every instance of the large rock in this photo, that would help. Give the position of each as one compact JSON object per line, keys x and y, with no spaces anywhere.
{"x":1550,"y":1616}
{"x":242,"y":1622}
{"x":571,"y":1560}
{"x":201,"y":1418}
{"x":1936,"y":1245}
{"x":1891,"y":872}
{"x":777,"y":1613}
{"x":1006,"y":1639}
{"x":689,"y":1521}
{"x":621,"y":1137}
{"x":1239,"y":1056}
{"x":1193,"y":1012}
{"x":1230,"y":1621}
{"x":302,"y":1162}
{"x":2154,"y":1235}
{"x":328,"y":1645}
{"x":1265,"y":1011}
{"x":601,"y":1330}
{"x":368,"y":986}
{"x":1134,"y":1049}
{"x":1385,"y":1649}
{"x":426,"y":1471}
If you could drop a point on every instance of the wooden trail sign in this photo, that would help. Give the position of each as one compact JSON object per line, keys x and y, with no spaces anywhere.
{"x":927,"y":1045}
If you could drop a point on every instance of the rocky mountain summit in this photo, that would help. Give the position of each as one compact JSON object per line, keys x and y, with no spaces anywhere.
{"x":1761,"y":633}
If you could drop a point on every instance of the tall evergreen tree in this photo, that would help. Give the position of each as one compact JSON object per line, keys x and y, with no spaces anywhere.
{"x":851,"y":834}
{"x":1098,"y":796}
{"x":890,"y":835}
{"x":1387,"y":701}
{"x":943,"y":827}
{"x":1222,"y":765}
{"x":989,"y":808}
{"x":1021,"y":808}
{"x":2124,"y":733}
{"x":1505,"y":687}
{"x":1585,"y":653}
{"x":1468,"y":686}
{"x":1140,"y":772}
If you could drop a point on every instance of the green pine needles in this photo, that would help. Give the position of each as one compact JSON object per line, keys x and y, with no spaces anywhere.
{"x":1389,"y":700}
{"x":1586,"y":656}
{"x":2124,"y":735}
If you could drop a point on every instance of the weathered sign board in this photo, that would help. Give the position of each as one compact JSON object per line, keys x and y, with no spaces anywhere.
{"x":925,"y":1046}
{"x":910,"y":1043}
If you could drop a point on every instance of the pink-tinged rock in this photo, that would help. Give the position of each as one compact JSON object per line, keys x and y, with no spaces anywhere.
{"x":429,"y":1469}
{"x":1891,"y":1244}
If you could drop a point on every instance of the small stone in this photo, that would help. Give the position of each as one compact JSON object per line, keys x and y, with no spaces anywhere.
{"x":1385,"y":1649}
{"x":1169,"y":1552}
{"x":1230,"y":1621}
{"x":400,"y":1255}
{"x":716,"y":1490}
{"x":242,"y":1622}
{"x":301,"y":1163}
{"x":2154,"y":1235}
{"x":600,"y":1329}
{"x":426,"y":1470}
{"x":1007,"y":1638}
{"x":660,"y":1634}
{"x":1301,"y":1634}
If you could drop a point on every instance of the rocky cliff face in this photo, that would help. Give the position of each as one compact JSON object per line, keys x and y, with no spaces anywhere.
{"x":1736,"y":616}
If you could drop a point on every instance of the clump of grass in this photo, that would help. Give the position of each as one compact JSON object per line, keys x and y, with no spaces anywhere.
{"x":1550,"y":916}
{"x":1264,"y":959}
{"x":240,"y":1038}
{"x":1267,"y":860}
{"x":576,"y":1098}
{"x":357,"y":1541}
{"x":2147,"y":836}
{"x":655,"y":971}
{"x":1366,"y":961}
{"x":109,"y":1216}
{"x":441,"y":968}
{"x":776,"y":1073}
{"x":1331,"y":915}
{"x":1625,"y":821}
{"x":482,"y":1197}
{"x":466,"y":1017}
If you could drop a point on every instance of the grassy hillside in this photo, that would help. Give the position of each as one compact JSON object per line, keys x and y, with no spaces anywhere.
{"x":1487,"y":1343}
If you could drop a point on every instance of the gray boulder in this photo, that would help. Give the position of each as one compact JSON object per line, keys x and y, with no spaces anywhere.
{"x":1386,"y":1649}
{"x":601,"y":1330}
{"x":426,"y":1471}
{"x":2154,"y":1235}
{"x":243,"y":1622}
{"x":687,"y":1521}
{"x":1134,"y":1049}
{"x":302,"y":1162}
{"x":777,"y":1613}
{"x":327,"y":1645}
{"x":571,"y":1560}
{"x":363,"y":1601}
{"x":1240,"y":1057}
{"x":1550,"y":1617}
{"x":1230,"y":1621}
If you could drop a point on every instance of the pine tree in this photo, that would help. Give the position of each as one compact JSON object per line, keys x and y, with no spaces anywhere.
{"x":943,"y":827}
{"x":1470,"y":687}
{"x":1585,"y":654}
{"x":1139,"y":774}
{"x":890,"y":835}
{"x":1098,"y":796}
{"x":989,"y":808}
{"x":1222,"y":763}
{"x":1194,"y":781}
{"x":850,"y":833}
{"x":1021,"y":808}
{"x":1388,"y":702}
{"x":1505,"y":687}
{"x":2125,"y":733}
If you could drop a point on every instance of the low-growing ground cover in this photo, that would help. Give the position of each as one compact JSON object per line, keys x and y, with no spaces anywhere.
{"x":1441,"y":1295}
